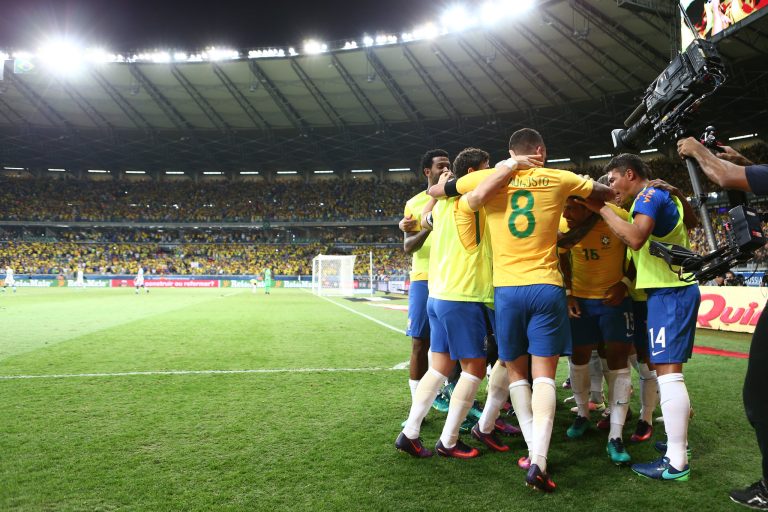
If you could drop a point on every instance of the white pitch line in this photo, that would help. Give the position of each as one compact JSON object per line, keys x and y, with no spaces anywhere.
{"x":384,"y":324}
{"x":198,"y":372}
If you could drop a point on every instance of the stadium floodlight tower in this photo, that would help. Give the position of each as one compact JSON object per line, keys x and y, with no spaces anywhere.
{"x":333,"y":275}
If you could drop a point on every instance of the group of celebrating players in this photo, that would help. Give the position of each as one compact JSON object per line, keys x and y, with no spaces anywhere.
{"x":552,"y":264}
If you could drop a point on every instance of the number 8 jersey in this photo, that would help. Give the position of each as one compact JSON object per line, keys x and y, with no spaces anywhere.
{"x":523,"y":219}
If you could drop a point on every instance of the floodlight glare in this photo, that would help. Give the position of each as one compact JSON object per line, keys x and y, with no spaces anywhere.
{"x":213,"y":53}
{"x":61,"y":57}
{"x":100,"y":56}
{"x":368,"y":41}
{"x":456,"y":19}
{"x":313,"y":47}
{"x":428,"y":31}
{"x":180,"y":57}
{"x":350,"y":45}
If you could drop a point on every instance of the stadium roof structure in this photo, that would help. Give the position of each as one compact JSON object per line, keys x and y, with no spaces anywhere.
{"x":571,"y":69}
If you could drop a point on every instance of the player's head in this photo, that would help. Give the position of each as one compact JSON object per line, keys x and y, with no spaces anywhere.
{"x":434,"y":163}
{"x":575,"y":212}
{"x":605,"y":179}
{"x":627,"y":175}
{"x":527,"y":141}
{"x":469,"y":160}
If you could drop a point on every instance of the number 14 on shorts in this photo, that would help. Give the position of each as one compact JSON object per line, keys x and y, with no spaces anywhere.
{"x":658,"y":341}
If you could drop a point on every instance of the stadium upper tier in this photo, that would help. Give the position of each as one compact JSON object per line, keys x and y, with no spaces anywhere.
{"x":572,"y":69}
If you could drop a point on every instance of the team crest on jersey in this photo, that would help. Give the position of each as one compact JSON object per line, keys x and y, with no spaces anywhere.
{"x":605,"y":240}
{"x":646,"y":195}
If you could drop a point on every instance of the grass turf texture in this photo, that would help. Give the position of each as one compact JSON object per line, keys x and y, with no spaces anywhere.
{"x":290,"y":440}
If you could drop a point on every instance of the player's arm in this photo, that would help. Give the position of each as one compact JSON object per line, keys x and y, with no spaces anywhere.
{"x":426,"y":215}
{"x":634,"y":235}
{"x":690,"y":219}
{"x":413,"y":240}
{"x":565,"y":267}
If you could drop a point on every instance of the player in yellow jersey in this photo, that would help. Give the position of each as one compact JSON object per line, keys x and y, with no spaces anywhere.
{"x":600,"y":313}
{"x":417,"y":242}
{"x":523,"y":210}
{"x":460,"y":290}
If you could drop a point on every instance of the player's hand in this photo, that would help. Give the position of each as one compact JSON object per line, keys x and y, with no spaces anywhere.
{"x":445,"y":176}
{"x":663,"y":185}
{"x":593,"y":205}
{"x":528,"y":161}
{"x":408,"y":224}
{"x":615,"y":294}
{"x":574,"y":311}
{"x":731,"y":155}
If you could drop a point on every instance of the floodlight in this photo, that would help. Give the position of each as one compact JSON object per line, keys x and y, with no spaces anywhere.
{"x":406,"y":37}
{"x":249,"y":172}
{"x":428,"y":31}
{"x":180,"y":57}
{"x":101,"y":56}
{"x":61,"y":56}
{"x":97,"y":171}
{"x":291,"y":52}
{"x":595,"y":157}
{"x":160,"y":57}
{"x":135,"y":172}
{"x":356,"y":171}
{"x":349,"y":45}
{"x":174,"y":172}
{"x":558,"y":160}
{"x":57,"y":170}
{"x":400,"y":169}
{"x":455,"y":18}
{"x":324,"y":172}
{"x":313,"y":47}
{"x":212,"y":172}
{"x":286,"y":172}
{"x":739,"y":137}
{"x":13,"y":168}
{"x":213,"y":53}
{"x":368,"y":41}
{"x":649,"y":151}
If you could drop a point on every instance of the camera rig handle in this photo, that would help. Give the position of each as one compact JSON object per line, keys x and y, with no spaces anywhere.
{"x":699,"y":197}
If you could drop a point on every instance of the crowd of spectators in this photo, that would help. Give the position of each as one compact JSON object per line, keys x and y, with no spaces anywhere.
{"x":191,"y":259}
{"x":39,"y":199}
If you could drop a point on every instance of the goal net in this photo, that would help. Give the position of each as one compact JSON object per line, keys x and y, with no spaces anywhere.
{"x":333,"y":275}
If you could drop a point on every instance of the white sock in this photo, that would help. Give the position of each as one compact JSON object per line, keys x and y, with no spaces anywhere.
{"x":498,"y":386}
{"x":520,"y":396}
{"x":543,"y":403}
{"x":428,"y":387}
{"x":619,"y":383}
{"x":461,"y":401}
{"x":596,"y":379}
{"x":649,"y":393}
{"x":676,"y":407}
{"x":413,"y":384}
{"x":580,"y":387}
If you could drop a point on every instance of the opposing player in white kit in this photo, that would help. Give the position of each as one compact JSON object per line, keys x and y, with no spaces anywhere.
{"x":9,"y":280}
{"x":138,"y":281}
{"x":79,"y":280}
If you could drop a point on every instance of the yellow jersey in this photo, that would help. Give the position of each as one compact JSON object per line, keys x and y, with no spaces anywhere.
{"x":420,"y":259}
{"x":597,"y":261}
{"x":523,"y":220}
{"x":460,"y":263}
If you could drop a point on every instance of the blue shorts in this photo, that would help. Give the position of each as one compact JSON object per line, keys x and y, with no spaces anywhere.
{"x":640,"y":309}
{"x":418,"y":321}
{"x":672,"y":323}
{"x":532,"y":320}
{"x":601,"y":323}
{"x":458,"y":328}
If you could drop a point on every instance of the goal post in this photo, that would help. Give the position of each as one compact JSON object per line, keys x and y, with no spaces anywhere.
{"x":333,"y":275}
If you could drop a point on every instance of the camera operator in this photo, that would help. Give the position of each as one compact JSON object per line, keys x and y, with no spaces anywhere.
{"x":732,"y":170}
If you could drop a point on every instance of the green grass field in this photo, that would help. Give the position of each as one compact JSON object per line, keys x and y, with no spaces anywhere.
{"x":127,"y":412}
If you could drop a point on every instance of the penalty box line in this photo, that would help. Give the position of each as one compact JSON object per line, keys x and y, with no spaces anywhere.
{"x":199,"y":372}
{"x":351,"y":310}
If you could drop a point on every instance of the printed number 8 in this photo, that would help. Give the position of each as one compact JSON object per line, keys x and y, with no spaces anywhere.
{"x":525,"y":211}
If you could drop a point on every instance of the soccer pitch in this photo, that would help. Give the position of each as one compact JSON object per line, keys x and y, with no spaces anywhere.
{"x":230,"y":400}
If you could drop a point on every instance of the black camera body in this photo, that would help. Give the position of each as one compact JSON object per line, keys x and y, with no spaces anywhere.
{"x":670,"y":101}
{"x":743,"y":234}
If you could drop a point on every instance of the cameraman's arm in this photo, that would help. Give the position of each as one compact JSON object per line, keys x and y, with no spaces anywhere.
{"x":722,"y":172}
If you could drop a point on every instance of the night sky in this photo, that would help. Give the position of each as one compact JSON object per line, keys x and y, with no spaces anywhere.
{"x":122,"y":25}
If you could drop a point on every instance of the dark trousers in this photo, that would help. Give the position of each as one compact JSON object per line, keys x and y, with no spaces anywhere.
{"x":756,"y":387}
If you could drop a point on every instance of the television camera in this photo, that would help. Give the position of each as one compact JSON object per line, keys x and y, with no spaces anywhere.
{"x":663,"y":115}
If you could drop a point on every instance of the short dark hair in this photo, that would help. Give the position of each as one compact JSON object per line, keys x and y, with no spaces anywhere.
{"x":469,"y":158}
{"x":624,"y":161}
{"x":429,"y":156}
{"x":525,"y":141}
